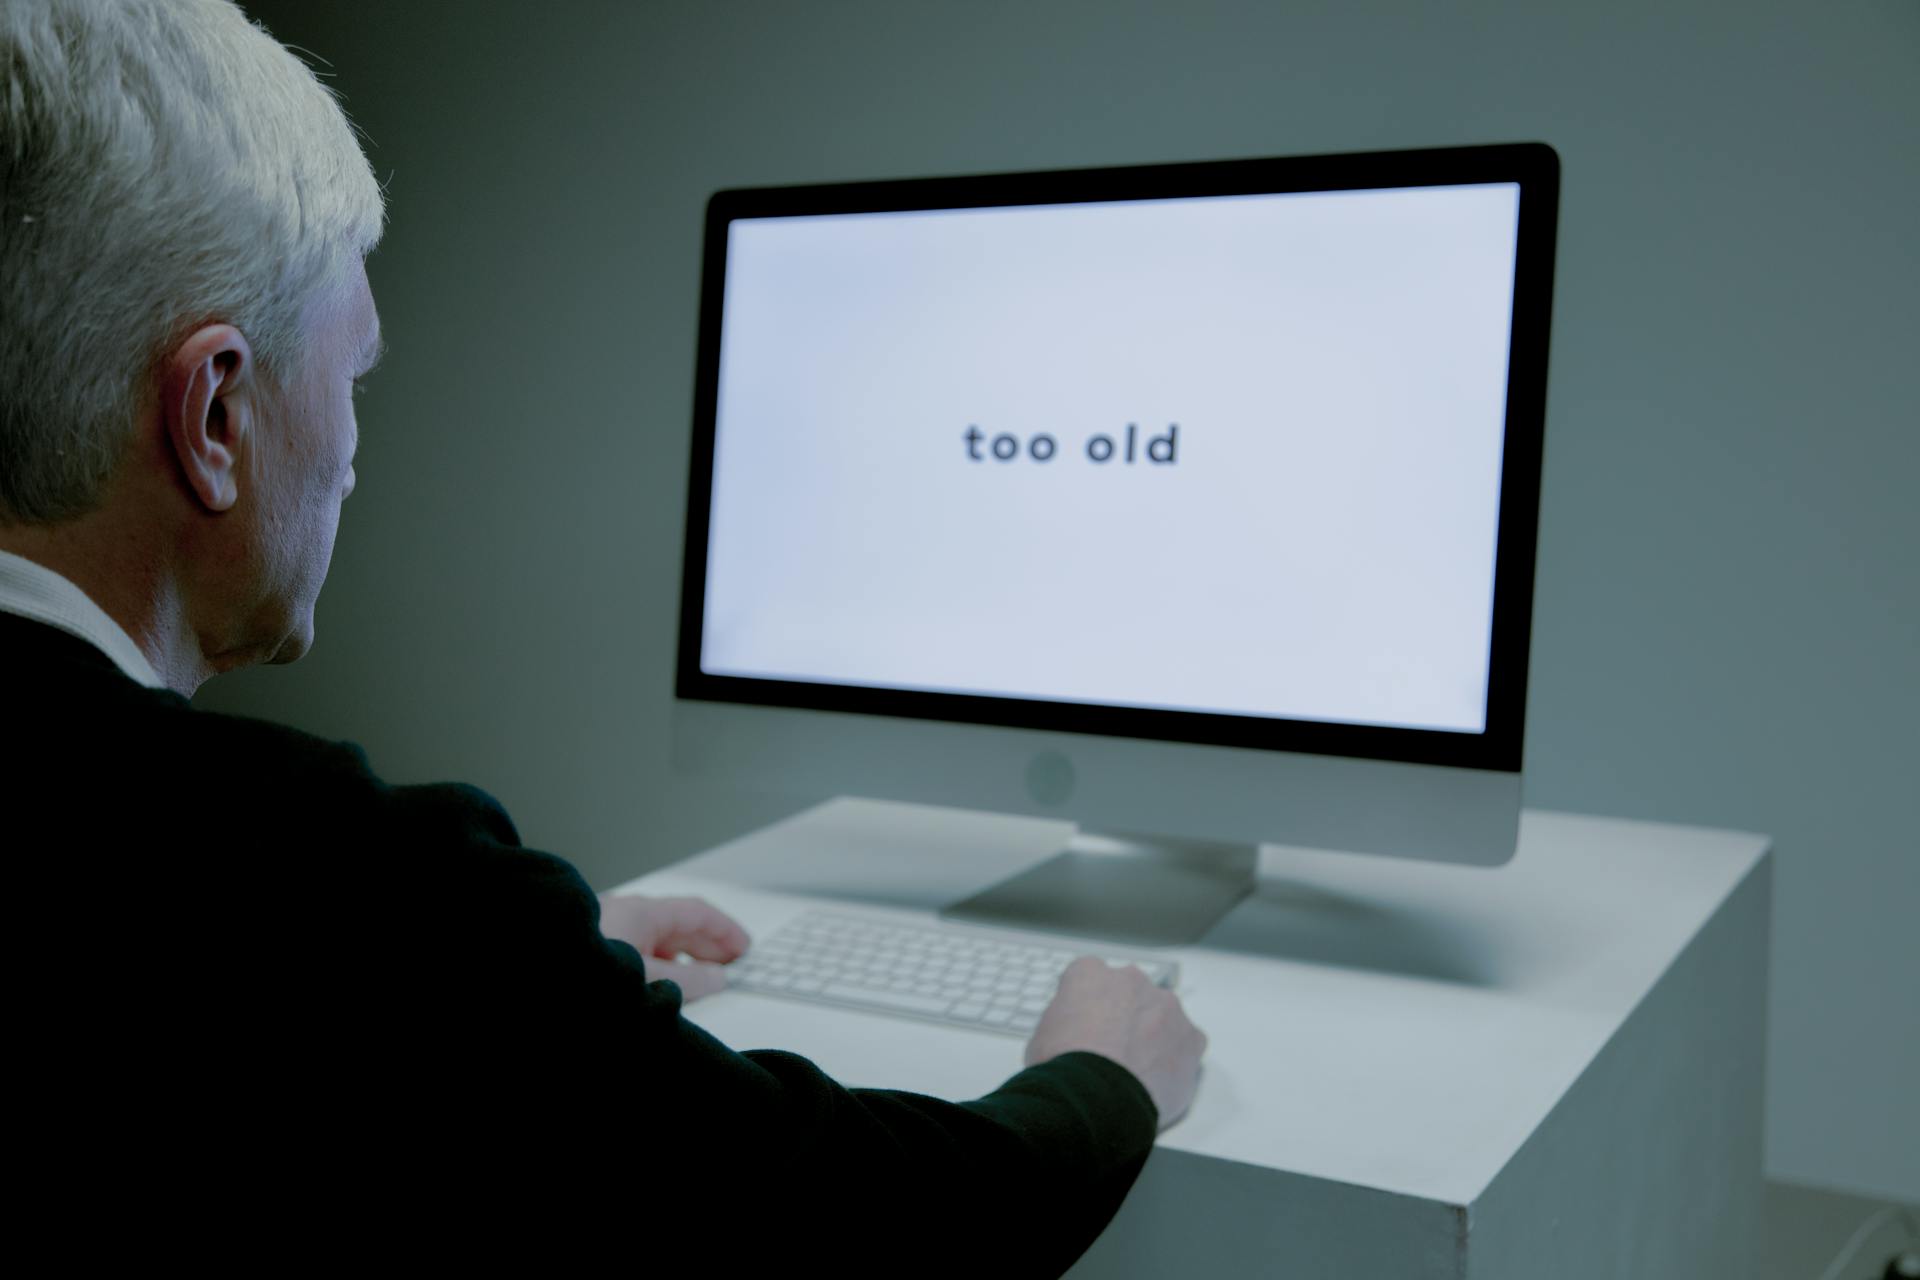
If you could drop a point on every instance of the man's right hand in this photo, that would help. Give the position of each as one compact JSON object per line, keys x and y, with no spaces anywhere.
{"x":1120,"y":1014}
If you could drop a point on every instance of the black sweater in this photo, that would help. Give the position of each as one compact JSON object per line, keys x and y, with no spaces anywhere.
{"x":255,"y":984}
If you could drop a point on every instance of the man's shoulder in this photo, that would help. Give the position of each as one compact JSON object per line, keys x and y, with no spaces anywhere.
{"x":116,"y":733}
{"x":203,"y":833}
{"x":63,"y":688}
{"x":93,"y":753}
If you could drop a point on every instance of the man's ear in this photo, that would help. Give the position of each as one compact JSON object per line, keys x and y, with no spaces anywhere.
{"x":207,"y":391}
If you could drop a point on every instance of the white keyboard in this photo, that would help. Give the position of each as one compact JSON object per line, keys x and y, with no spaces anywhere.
{"x":961,"y":977}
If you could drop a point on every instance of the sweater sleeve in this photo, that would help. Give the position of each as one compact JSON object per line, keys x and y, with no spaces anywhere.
{"x":1018,"y":1182}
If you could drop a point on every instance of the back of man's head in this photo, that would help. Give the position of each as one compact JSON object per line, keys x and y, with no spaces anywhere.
{"x":163,"y":164}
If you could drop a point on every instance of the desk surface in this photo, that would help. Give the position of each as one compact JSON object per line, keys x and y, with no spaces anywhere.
{"x":1385,"y":1023}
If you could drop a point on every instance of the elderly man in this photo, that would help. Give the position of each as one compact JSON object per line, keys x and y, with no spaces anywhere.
{"x":256,"y":984}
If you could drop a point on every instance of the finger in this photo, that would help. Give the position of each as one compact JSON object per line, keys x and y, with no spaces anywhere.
{"x":699,"y":928}
{"x":727,"y":937}
{"x":695,"y":981}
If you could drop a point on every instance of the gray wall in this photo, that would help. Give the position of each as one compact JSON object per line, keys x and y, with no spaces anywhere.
{"x":1727,"y":619}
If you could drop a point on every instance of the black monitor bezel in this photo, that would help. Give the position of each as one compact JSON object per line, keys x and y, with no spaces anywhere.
{"x":1534,"y":166}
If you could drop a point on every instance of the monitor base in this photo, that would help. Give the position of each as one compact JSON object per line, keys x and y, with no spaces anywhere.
{"x":1150,"y":891}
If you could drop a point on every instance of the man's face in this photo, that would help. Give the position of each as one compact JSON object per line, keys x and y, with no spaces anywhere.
{"x":300,"y":469}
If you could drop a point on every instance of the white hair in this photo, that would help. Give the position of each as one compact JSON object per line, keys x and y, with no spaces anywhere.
{"x":164,"y":164}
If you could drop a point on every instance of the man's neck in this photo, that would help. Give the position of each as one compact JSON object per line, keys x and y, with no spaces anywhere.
{"x":122,"y":573}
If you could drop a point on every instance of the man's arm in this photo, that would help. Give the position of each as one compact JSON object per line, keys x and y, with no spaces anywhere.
{"x":1020,"y":1181}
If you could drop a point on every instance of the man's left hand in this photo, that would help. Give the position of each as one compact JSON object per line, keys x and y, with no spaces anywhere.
{"x":661,"y":929}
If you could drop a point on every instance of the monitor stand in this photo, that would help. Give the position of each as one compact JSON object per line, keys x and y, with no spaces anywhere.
{"x":1151,"y":891}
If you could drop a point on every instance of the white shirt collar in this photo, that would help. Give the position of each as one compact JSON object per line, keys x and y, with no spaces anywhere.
{"x":35,"y":591}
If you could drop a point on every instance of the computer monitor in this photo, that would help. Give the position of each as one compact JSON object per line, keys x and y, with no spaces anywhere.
{"x":1193,"y":502}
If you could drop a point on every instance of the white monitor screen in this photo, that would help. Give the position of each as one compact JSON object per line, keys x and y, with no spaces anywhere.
{"x":1230,"y":454}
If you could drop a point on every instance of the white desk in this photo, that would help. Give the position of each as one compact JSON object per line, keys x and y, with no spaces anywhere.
{"x":1549,"y":1069}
